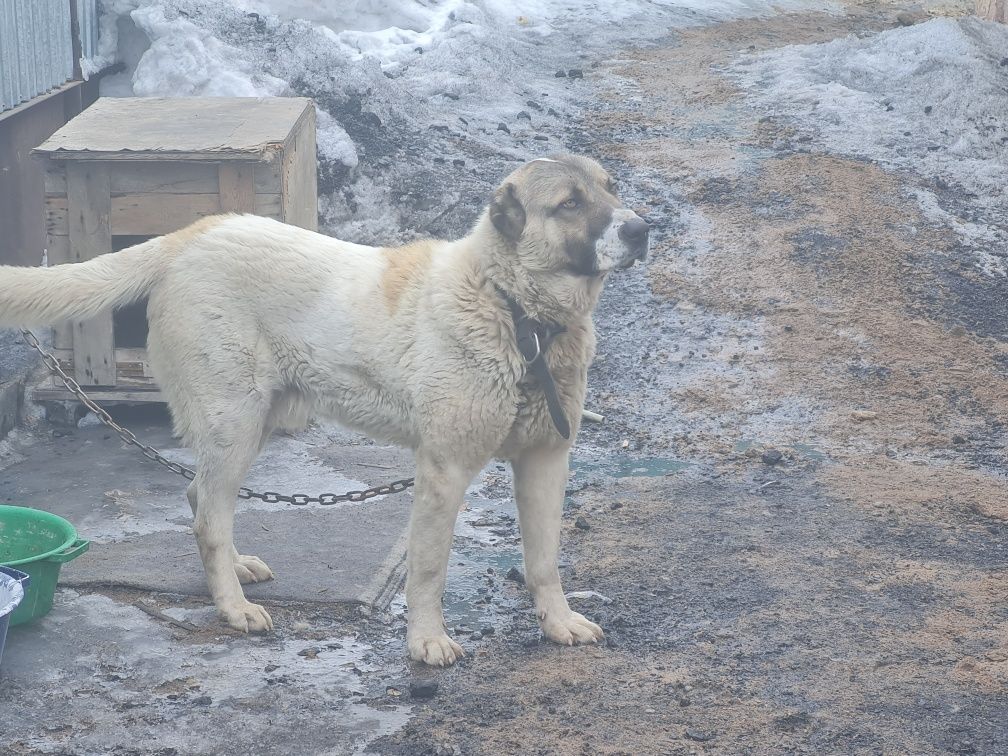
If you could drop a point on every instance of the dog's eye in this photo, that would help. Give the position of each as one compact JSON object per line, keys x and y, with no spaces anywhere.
{"x":611,"y":187}
{"x":570,"y":204}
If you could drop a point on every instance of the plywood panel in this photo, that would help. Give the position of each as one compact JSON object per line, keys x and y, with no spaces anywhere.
{"x":90,"y":235}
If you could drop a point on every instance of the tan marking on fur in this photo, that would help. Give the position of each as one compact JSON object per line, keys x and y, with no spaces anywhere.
{"x":405,"y":265}
{"x":178,"y":240}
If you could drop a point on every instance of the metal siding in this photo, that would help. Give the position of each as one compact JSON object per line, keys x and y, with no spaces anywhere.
{"x":36,"y":47}
{"x":88,"y":13}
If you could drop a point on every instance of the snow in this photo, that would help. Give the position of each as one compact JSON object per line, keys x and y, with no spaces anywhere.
{"x":406,"y":90}
{"x":929,"y":99}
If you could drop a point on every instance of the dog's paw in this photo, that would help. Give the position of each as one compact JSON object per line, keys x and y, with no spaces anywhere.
{"x":571,"y":629}
{"x":436,"y":650}
{"x":247,"y":617}
{"x":251,"y":569}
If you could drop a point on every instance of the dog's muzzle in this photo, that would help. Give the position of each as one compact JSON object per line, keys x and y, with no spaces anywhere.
{"x":635,"y":234}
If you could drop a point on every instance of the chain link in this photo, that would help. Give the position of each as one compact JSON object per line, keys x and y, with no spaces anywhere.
{"x":270,"y":497}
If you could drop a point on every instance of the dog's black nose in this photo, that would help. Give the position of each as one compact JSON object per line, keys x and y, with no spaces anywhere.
{"x":635,"y":231}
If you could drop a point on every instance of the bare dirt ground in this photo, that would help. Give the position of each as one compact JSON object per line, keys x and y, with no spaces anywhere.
{"x":849,"y":599}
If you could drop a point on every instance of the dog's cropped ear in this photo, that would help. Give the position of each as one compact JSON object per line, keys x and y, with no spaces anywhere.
{"x":507,"y":213}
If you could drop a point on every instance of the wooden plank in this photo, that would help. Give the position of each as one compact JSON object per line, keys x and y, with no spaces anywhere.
{"x":90,"y":235}
{"x":267,"y":177}
{"x":300,"y":177}
{"x":102,"y":396}
{"x":132,"y":367}
{"x":55,"y":210}
{"x":164,"y":178}
{"x":54,"y":178}
{"x":133,"y":371}
{"x":266,"y":153}
{"x":143,"y":214}
{"x":268,"y":206}
{"x":237,"y":190}
{"x":58,"y":253}
{"x":155,"y":214}
{"x":167,"y":177}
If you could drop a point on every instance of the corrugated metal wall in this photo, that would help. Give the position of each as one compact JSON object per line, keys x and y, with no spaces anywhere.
{"x":88,"y":12}
{"x":36,"y":46}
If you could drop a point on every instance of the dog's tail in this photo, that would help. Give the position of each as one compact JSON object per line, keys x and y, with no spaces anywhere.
{"x":43,"y":296}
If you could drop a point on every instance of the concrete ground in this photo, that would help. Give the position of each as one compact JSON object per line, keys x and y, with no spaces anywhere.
{"x":792,"y":525}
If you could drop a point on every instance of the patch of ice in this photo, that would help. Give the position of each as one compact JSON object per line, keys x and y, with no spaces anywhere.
{"x":125,"y":660}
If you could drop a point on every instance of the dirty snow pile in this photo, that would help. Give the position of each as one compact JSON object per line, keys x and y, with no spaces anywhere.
{"x":931,"y":99}
{"x":422,"y":104}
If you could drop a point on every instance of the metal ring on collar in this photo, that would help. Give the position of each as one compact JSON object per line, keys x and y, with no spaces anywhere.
{"x":538,"y":351}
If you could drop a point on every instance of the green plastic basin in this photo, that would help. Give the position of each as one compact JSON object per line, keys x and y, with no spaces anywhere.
{"x":38,"y":543}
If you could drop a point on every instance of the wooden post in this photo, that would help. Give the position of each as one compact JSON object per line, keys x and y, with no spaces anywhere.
{"x":992,"y":10}
{"x":89,"y":204}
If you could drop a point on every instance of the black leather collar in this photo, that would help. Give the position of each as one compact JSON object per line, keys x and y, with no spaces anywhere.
{"x":533,"y":338}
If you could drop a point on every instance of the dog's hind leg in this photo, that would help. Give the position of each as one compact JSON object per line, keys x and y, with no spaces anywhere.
{"x":248,"y":568}
{"x":224,"y":455}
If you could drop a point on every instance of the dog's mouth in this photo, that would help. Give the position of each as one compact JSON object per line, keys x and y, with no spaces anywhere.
{"x":638,"y":252}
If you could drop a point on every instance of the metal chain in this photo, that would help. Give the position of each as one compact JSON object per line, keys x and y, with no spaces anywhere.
{"x":271,"y":497}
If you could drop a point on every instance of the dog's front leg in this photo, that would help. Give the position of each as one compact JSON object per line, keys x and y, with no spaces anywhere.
{"x":440,"y":486}
{"x":540,"y":479}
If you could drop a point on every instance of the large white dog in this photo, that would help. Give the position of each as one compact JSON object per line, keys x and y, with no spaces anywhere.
{"x":438,"y":346}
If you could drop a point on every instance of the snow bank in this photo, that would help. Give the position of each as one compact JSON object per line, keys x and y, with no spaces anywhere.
{"x":931,"y":99}
{"x":407,"y":90}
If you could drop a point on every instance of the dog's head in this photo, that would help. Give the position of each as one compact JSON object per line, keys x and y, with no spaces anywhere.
{"x":562,"y":215}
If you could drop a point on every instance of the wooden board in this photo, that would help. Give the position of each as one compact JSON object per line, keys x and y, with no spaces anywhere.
{"x":156,"y":214}
{"x":214,"y":128}
{"x":237,"y":188}
{"x":159,"y":176}
{"x":300,"y":177}
{"x":102,"y":396}
{"x":90,"y":235}
{"x":58,"y":253}
{"x":133,"y":371}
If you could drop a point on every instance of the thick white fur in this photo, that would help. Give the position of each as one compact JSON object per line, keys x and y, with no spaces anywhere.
{"x":256,"y":325}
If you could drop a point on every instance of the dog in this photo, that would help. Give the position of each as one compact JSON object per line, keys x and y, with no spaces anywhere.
{"x":463,"y":351}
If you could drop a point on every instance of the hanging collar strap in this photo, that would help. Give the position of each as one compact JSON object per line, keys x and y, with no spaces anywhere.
{"x":533,"y":338}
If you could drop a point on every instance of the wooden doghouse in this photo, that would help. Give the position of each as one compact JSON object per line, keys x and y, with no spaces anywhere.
{"x":128,"y":169}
